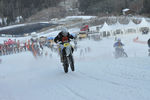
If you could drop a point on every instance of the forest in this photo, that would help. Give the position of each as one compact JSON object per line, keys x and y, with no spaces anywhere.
{"x":13,"y":8}
{"x":10,"y":9}
{"x":114,"y":6}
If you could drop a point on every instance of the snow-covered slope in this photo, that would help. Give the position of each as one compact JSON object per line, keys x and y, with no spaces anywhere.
{"x":98,"y":76}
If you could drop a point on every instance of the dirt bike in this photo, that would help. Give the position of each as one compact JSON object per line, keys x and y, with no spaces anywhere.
{"x":68,"y":57}
{"x":119,"y":52}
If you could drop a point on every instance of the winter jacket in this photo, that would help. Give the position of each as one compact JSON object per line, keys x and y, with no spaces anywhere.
{"x":117,"y":44}
{"x":62,"y":38}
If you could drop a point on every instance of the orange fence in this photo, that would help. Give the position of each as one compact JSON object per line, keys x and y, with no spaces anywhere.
{"x":136,"y":40}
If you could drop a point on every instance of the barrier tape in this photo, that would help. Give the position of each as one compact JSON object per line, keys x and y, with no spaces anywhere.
{"x":136,"y":40}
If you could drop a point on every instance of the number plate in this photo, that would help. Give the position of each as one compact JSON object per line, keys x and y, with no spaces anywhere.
{"x":66,"y":44}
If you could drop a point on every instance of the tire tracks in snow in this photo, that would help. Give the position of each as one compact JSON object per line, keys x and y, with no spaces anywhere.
{"x":105,"y":80}
{"x":74,"y":92}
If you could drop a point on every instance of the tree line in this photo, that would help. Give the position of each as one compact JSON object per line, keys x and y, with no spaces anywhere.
{"x":114,"y":6}
{"x":10,"y":9}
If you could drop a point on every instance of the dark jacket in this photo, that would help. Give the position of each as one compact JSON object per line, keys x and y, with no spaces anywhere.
{"x":61,"y":38}
{"x":148,"y":42}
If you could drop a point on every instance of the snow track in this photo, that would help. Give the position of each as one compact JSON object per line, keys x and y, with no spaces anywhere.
{"x":98,"y":75}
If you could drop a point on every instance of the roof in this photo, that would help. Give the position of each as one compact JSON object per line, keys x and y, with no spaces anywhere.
{"x":126,"y":9}
{"x":144,"y":23}
{"x":105,"y":27}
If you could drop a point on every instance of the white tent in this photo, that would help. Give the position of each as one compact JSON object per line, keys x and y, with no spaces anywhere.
{"x":117,"y":28}
{"x":144,"y":25}
{"x":105,"y":30}
{"x":105,"y":27}
{"x":131,"y":27}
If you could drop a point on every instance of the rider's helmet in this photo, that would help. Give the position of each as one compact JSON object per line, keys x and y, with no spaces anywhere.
{"x":119,"y":40}
{"x":64,"y":31}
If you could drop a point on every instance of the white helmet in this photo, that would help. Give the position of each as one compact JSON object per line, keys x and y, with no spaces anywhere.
{"x":119,"y":40}
{"x":64,"y":31}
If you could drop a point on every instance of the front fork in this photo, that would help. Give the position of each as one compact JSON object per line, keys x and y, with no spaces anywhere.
{"x":68,"y":50}
{"x":68,"y":53}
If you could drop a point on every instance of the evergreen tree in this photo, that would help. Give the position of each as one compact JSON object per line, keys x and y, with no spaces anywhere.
{"x":146,"y":6}
{"x":12,"y":8}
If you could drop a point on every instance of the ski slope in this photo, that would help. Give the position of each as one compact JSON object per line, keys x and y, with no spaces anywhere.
{"x":98,"y":75}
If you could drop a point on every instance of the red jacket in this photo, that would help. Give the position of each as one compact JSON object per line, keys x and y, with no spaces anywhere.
{"x":86,"y":27}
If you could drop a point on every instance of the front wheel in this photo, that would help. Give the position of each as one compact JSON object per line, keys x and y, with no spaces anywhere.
{"x":65,"y":65}
{"x":66,"y":69}
{"x":72,"y":63}
{"x":125,"y":54}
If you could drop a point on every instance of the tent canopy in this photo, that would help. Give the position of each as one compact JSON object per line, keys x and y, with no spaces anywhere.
{"x":130,"y":25}
{"x":143,"y":23}
{"x":105,"y":27}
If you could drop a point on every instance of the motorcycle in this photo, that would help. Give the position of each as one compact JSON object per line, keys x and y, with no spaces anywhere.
{"x":119,"y":52}
{"x":68,"y":57}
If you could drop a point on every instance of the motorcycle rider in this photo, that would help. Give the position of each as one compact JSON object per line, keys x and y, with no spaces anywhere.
{"x":118,"y":46}
{"x":118,"y":43}
{"x":62,"y":37}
